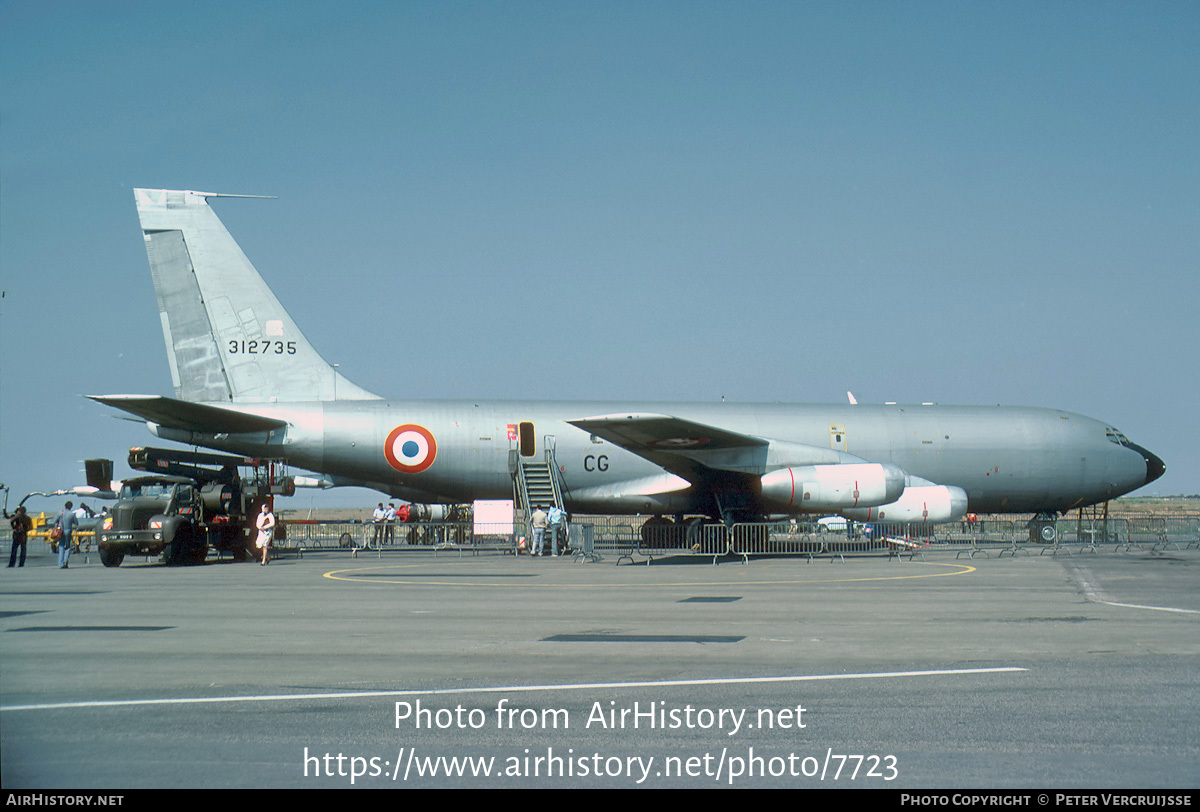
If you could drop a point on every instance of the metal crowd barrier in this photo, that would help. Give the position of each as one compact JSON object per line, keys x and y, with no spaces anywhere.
{"x":697,"y":538}
{"x":368,"y":537}
{"x":796,"y":539}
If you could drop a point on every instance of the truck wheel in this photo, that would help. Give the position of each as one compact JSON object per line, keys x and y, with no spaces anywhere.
{"x":111,"y":558}
{"x":177,"y":553}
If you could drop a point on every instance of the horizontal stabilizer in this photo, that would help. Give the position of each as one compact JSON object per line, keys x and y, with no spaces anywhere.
{"x":180,"y":414}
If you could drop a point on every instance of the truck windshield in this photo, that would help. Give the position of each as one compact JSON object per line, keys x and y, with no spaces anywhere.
{"x":147,"y":490}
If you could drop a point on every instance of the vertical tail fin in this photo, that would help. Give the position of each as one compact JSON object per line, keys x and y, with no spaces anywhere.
{"x":228,"y":338}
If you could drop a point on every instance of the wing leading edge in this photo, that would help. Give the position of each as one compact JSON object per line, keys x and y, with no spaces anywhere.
{"x":180,"y":414}
{"x":695,"y":451}
{"x":681,"y":447}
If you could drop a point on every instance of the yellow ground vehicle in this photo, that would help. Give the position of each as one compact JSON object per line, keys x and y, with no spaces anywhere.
{"x":81,"y":539}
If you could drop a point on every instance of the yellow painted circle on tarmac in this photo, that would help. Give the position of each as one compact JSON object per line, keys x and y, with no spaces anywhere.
{"x":378,"y":576}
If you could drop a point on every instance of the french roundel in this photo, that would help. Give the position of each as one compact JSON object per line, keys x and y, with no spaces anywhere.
{"x":410,"y":448}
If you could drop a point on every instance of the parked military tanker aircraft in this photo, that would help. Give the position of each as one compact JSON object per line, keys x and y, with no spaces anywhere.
{"x":248,"y":382}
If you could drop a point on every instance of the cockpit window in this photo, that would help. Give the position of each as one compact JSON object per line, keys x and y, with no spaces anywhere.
{"x":1115,"y":436}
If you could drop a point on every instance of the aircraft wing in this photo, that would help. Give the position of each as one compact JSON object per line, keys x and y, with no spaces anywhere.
{"x":180,"y":414}
{"x":682,"y":447}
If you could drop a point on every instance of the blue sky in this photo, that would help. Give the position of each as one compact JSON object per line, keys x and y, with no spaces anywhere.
{"x":775,"y":201}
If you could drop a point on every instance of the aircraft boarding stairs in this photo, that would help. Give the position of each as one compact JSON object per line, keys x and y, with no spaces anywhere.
{"x":535,"y":481}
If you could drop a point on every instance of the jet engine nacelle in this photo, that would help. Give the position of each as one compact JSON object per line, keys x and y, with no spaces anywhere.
{"x":432,"y":513}
{"x":919,"y":503}
{"x":825,"y":488}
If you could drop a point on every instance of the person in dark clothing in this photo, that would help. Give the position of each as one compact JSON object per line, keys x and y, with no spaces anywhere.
{"x":21,"y":524}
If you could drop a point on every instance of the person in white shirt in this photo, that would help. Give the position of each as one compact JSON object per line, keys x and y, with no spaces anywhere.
{"x":266,"y":529}
{"x":377,"y":517}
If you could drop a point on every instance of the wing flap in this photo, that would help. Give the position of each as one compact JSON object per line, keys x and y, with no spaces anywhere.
{"x":180,"y":414}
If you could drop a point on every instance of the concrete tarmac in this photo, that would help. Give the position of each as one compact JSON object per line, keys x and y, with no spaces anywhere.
{"x":495,"y":671}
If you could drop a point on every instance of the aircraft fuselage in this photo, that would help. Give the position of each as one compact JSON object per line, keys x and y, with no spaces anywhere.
{"x":1007,"y":459}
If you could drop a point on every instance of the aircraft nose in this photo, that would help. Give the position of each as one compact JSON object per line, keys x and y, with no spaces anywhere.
{"x":1154,"y":465}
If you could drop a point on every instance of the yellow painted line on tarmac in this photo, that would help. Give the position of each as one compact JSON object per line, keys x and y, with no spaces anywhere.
{"x":358,"y":575}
